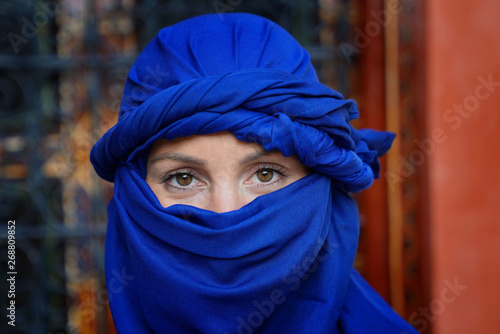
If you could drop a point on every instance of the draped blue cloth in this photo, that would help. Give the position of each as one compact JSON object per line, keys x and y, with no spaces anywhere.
{"x":282,"y":263}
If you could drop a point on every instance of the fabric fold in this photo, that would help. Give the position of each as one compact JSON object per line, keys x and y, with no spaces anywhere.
{"x":308,"y":118}
{"x":190,"y":254}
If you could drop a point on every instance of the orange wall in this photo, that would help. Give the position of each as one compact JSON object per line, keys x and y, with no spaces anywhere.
{"x":462,"y":52}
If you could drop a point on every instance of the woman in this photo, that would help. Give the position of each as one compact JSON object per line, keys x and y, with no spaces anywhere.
{"x":232,"y":167}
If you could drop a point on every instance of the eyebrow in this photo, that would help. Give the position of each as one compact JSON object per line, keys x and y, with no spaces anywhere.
{"x":253,"y":156}
{"x":178,"y":157}
{"x":200,"y":162}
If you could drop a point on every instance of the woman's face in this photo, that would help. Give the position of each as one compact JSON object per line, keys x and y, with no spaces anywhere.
{"x":217,"y":172}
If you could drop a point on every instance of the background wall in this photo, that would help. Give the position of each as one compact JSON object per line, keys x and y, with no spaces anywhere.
{"x":463,"y":97}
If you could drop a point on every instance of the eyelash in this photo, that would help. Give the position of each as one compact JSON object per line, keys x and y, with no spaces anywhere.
{"x":280,"y":170}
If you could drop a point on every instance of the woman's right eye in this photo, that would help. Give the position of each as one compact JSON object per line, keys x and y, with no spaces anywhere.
{"x":184,"y":179}
{"x":181,"y":179}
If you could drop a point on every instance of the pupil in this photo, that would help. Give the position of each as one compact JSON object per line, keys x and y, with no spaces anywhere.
{"x":184,"y":179}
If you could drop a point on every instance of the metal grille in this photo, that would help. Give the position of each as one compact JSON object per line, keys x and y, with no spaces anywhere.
{"x":62,"y":68}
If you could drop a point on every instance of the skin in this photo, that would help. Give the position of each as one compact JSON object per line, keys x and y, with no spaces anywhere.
{"x":217,"y":172}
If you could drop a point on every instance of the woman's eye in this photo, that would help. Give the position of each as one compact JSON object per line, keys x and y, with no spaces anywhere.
{"x":265,"y":175}
{"x":184,"y":179}
{"x":181,"y":179}
{"x":268,"y":175}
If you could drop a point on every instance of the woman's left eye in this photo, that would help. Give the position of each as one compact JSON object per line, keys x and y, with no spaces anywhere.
{"x":267,"y":175}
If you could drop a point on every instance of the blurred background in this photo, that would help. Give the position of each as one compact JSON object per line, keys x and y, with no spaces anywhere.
{"x":426,"y":70}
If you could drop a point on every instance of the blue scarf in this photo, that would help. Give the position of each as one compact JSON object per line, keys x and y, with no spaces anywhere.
{"x":282,"y":263}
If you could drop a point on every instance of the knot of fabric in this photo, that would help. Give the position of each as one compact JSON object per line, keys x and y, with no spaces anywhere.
{"x":266,"y":106}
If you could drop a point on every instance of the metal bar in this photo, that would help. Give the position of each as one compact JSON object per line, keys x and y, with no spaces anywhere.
{"x":57,"y":63}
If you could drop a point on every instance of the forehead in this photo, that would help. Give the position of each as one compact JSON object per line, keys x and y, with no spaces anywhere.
{"x":219,"y":147}
{"x":221,"y":140}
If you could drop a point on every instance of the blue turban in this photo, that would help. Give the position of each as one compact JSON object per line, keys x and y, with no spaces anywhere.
{"x":280,"y":264}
